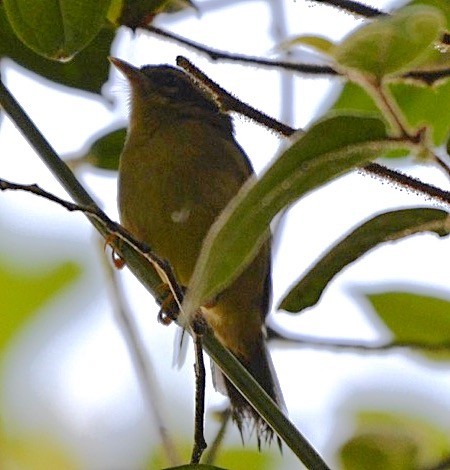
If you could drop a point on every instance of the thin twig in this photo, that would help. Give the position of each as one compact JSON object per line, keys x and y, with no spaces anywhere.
{"x":350,"y":345}
{"x":200,"y":374}
{"x":211,"y":455}
{"x":356,"y":8}
{"x":428,"y":77}
{"x":113,"y":229}
{"x":408,"y":182}
{"x":215,"y":54}
{"x":444,"y":166}
{"x":141,"y":362}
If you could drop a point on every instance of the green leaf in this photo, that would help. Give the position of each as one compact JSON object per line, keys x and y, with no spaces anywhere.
{"x":391,"y":44}
{"x":35,"y":451}
{"x":414,"y":318}
{"x":39,"y":287}
{"x":393,"y":442}
{"x":442,"y":5}
{"x":421,"y":105}
{"x":88,"y":70}
{"x":56,"y":29}
{"x":243,"y":459}
{"x":329,"y":149}
{"x":380,"y":229}
{"x":318,"y":43}
{"x":104,"y":152}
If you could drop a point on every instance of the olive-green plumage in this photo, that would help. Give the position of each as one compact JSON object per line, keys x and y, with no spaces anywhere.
{"x":179,"y":168}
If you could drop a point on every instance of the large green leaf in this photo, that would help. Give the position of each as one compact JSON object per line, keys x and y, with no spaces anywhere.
{"x":56,"y":29}
{"x":23,"y":293}
{"x":380,"y":229}
{"x":392,"y":43}
{"x":88,"y":70}
{"x":414,"y":318}
{"x":327,"y":150}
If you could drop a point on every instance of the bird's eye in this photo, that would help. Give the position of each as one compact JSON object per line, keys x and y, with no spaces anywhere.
{"x":171,"y":81}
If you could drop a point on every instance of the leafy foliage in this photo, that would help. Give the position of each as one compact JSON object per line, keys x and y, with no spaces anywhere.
{"x":39,"y":287}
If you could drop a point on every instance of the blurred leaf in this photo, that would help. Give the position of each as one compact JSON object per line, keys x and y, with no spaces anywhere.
{"x":442,"y":5}
{"x":244,"y":459}
{"x":104,"y":152}
{"x":383,"y":228}
{"x":414,"y":318}
{"x":135,"y":13}
{"x":393,"y":442}
{"x":318,"y":43}
{"x":421,"y":105}
{"x":56,"y":29}
{"x":40,"y":287}
{"x":373,"y":452}
{"x":34,"y":453}
{"x":87,"y":71}
{"x":329,"y":149}
{"x":391,"y":44}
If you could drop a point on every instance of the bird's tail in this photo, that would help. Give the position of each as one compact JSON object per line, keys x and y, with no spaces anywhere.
{"x":244,"y":415}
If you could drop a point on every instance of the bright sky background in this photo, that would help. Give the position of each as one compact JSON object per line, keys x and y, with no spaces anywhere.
{"x":74,"y":377}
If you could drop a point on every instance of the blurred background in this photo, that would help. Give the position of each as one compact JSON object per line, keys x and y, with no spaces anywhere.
{"x":69,"y":395}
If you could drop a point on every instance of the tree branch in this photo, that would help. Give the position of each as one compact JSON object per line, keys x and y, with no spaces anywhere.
{"x":231,"y":103}
{"x":356,"y":8}
{"x":227,"y":362}
{"x":215,"y":54}
{"x":350,"y":345}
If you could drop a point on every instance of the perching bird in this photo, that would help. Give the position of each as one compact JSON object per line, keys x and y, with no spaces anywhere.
{"x":179,"y":168}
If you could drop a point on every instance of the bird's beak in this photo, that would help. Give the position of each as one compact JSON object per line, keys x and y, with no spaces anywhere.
{"x":130,"y":71}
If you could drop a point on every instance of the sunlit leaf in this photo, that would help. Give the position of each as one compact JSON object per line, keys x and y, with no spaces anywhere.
{"x":318,"y":43}
{"x":87,"y":71}
{"x":442,"y":5}
{"x":391,"y":44}
{"x":414,"y":318}
{"x":380,"y":229}
{"x":329,"y":149}
{"x":56,"y":29}
{"x":23,"y":293}
{"x":421,"y":105}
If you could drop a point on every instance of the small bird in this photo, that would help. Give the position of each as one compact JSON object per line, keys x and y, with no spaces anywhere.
{"x":179,"y":168}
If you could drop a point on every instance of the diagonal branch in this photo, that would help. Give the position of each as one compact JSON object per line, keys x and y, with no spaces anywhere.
{"x":228,"y":101}
{"x":356,"y":8}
